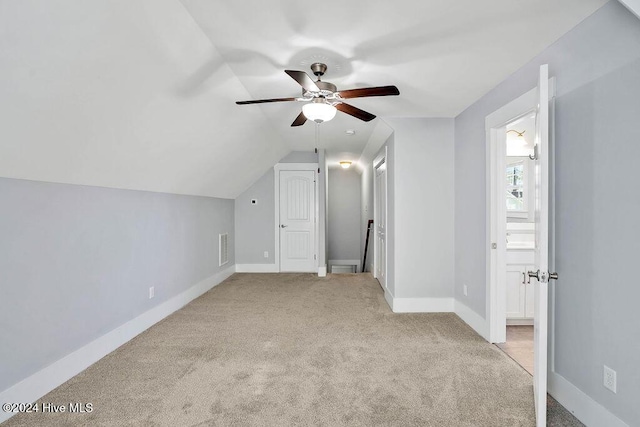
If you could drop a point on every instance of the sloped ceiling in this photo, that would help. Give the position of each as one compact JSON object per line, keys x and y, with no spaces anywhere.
{"x":98,"y":93}
{"x":140,"y":94}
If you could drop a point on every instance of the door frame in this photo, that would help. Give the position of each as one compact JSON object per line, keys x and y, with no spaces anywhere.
{"x":497,"y":213}
{"x":313,"y":167}
{"x":377,"y":161}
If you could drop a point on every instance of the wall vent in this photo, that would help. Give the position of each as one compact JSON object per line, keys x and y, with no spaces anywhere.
{"x":224,"y":249}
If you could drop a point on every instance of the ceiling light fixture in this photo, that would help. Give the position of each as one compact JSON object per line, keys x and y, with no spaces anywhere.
{"x":319,"y":111}
{"x":350,"y":132}
{"x":520,"y":137}
{"x":345,"y":164}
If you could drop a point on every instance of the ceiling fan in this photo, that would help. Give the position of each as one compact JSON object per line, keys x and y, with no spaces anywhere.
{"x":323,"y":98}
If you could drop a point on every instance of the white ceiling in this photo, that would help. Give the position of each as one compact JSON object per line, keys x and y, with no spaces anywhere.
{"x":140,"y":94}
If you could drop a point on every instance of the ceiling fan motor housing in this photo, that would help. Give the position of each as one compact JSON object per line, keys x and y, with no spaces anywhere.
{"x":318,"y":68}
{"x":326,"y":86}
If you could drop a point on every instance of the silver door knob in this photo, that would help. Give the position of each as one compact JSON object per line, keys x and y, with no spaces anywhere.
{"x":543,"y":277}
{"x":283,"y":226}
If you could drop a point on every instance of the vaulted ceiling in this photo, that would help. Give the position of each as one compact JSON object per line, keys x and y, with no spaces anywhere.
{"x":140,"y":94}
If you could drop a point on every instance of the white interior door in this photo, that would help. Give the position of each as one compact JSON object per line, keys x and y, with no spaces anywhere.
{"x":541,"y":266}
{"x":297,"y":221}
{"x":380,"y":224}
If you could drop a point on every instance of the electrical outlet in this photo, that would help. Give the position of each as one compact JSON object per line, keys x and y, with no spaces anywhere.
{"x":152,"y":292}
{"x":464,"y":290}
{"x":609,"y":379}
{"x":266,"y":254}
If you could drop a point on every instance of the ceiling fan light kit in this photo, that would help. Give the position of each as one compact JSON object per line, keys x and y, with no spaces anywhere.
{"x":319,"y":111}
{"x":323,"y":98}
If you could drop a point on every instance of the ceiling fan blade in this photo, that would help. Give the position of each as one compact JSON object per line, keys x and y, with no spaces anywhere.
{"x":262,"y":101}
{"x":303,"y":80}
{"x":300,"y":120}
{"x":370,"y":91}
{"x":355,"y":112}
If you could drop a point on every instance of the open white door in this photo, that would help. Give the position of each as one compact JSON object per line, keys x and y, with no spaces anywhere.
{"x":540,"y":324}
{"x":380,"y":223}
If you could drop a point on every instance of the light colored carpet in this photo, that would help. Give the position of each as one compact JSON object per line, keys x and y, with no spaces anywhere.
{"x":295,"y":349}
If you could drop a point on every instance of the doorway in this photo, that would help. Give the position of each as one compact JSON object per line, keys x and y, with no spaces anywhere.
{"x":510,"y":211}
{"x":380,"y":219}
{"x":538,"y":102}
{"x":296,"y":217}
{"x":519,"y":200}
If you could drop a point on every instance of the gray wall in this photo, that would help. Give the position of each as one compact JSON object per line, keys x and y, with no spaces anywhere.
{"x":597,"y":246}
{"x":597,"y":65}
{"x":255,"y":223}
{"x":344,"y":214}
{"x":78,"y":261}
{"x":422,"y":192}
{"x":300,"y":157}
{"x":254,"y":228}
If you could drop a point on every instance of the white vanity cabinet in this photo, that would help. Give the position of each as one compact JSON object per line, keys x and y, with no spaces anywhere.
{"x":519,"y":302}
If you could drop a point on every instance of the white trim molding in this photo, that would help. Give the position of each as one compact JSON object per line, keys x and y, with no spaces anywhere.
{"x":496,"y":210}
{"x":419,"y":305}
{"x":473,"y":319}
{"x":257,"y":268}
{"x":583,"y":407}
{"x":388,"y":296}
{"x":322,"y":271}
{"x":42,"y":382}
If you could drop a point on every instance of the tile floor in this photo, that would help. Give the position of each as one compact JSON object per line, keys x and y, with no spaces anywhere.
{"x":519,"y":346}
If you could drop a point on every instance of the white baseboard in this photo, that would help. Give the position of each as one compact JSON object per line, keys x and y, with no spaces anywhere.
{"x":42,"y":382}
{"x":519,"y":322}
{"x":389,"y":298}
{"x":583,"y":407}
{"x":257,"y":268}
{"x":422,"y":305}
{"x":322,"y":271}
{"x":473,"y":319}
